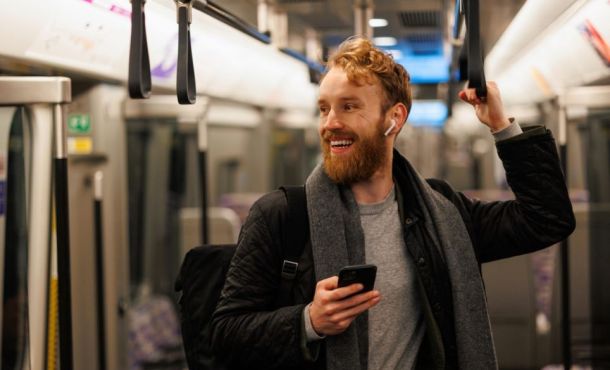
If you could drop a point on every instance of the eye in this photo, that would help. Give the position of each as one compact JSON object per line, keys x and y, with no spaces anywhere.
{"x":349,"y":107}
{"x":323,"y":109}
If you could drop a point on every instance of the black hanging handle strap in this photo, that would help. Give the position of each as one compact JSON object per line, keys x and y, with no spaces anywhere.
{"x":185,"y":74}
{"x":476,"y":74}
{"x":138,"y":81}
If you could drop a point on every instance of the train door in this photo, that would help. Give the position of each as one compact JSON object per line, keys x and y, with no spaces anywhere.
{"x":587,"y":111}
{"x":29,"y":110}
{"x":162,"y":173}
{"x":98,"y":216}
{"x":13,"y":238}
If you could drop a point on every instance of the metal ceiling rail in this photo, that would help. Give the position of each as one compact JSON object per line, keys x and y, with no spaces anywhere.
{"x":216,"y":11}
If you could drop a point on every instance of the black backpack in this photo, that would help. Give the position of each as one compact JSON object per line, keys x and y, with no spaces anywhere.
{"x":202,"y":276}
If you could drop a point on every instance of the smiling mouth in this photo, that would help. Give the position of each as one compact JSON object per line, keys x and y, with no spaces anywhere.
{"x":341,"y":144}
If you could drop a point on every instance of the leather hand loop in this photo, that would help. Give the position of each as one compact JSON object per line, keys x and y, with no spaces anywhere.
{"x":185,"y":74}
{"x":138,"y":81}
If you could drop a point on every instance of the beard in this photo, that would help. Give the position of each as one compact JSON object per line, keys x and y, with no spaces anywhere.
{"x":367,"y":155}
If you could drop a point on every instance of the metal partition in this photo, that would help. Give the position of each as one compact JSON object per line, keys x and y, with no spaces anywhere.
{"x":42,"y":98}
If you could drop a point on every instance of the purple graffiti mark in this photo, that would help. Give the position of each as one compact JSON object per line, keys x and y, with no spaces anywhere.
{"x":169,"y":63}
{"x":164,"y":71}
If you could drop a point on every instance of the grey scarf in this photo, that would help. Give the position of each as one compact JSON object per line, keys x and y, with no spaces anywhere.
{"x":337,"y":240}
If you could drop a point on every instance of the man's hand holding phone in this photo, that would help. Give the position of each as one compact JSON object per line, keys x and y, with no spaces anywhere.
{"x":333,"y":309}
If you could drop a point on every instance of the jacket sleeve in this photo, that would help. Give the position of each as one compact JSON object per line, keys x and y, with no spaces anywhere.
{"x":541,"y":213}
{"x":246,"y":327}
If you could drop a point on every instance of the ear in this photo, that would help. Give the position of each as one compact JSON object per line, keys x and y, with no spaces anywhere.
{"x":399,"y":113}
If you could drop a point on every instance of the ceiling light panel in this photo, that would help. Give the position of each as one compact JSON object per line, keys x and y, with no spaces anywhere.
{"x":378,"y":22}
{"x":385,"y":41}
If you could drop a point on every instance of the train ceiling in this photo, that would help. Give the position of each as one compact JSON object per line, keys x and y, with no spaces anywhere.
{"x":414,"y":21}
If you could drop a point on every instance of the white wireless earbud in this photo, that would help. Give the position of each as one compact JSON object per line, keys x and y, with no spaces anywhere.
{"x":387,"y":132}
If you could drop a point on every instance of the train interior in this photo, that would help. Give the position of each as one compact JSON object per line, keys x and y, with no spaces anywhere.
{"x":149,"y":179}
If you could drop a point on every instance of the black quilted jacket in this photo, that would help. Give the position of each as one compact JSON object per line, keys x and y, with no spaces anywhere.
{"x":254,"y":334}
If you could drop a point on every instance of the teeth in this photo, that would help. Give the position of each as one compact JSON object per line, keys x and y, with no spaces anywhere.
{"x":341,"y":142}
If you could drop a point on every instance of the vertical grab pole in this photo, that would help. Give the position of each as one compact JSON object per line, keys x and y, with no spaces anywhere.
{"x":202,"y":143}
{"x":564,"y":253}
{"x":63,"y":240}
{"x":98,"y":178}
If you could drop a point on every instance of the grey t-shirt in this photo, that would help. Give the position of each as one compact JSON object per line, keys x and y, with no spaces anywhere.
{"x":396,"y":324}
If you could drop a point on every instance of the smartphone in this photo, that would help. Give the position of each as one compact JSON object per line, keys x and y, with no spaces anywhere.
{"x":363,"y":274}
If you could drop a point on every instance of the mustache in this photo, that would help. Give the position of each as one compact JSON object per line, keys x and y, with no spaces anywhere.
{"x":330,"y":134}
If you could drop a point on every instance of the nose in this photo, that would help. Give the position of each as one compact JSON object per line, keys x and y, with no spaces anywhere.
{"x":331,"y":121}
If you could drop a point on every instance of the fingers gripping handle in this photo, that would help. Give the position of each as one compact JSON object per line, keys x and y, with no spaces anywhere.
{"x":476,"y":73}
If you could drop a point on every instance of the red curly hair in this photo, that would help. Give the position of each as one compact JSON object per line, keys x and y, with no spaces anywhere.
{"x":363,"y":62}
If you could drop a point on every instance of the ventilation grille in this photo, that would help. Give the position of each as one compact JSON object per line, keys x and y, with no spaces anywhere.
{"x":428,"y":18}
{"x":425,"y":43}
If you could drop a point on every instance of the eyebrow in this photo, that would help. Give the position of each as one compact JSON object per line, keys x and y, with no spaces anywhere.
{"x":343,"y":98}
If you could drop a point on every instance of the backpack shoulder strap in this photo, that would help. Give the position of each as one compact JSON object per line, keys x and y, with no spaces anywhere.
{"x":296,"y":234}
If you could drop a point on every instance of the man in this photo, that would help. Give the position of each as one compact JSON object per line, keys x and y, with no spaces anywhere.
{"x":366,"y":204}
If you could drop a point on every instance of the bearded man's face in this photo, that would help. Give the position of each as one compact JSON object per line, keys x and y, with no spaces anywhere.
{"x":351,"y":128}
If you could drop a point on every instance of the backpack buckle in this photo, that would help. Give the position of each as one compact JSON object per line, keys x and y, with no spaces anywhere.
{"x":289,"y":269}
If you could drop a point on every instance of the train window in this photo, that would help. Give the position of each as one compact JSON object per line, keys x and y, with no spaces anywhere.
{"x":597,"y":153}
{"x":14,"y":241}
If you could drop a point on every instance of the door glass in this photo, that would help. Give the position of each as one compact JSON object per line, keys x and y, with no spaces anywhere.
{"x":597,"y":154}
{"x":14,"y":241}
{"x":295,"y":155}
{"x":157,"y":173}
